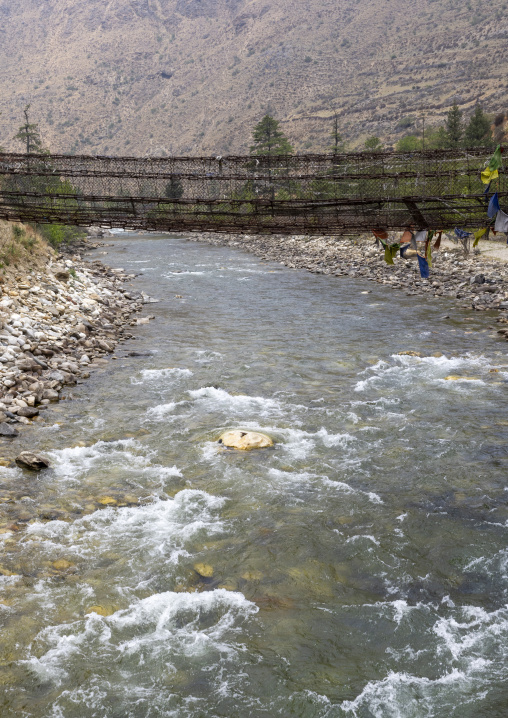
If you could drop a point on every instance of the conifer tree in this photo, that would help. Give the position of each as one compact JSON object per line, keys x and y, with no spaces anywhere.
{"x":269,"y":140}
{"x":29,"y":134}
{"x":478,"y":132}
{"x":337,"y":141}
{"x":174,"y":188}
{"x":453,"y":127}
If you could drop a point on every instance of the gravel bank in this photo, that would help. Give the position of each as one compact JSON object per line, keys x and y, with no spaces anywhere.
{"x":58,"y":321}
{"x":474,"y":281}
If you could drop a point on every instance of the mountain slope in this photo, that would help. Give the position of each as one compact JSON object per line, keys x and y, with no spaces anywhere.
{"x":193,"y":76}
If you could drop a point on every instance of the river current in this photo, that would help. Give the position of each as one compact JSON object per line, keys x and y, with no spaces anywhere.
{"x":357,"y":569}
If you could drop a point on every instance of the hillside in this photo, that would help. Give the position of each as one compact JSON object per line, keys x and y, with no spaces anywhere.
{"x":193,"y":76}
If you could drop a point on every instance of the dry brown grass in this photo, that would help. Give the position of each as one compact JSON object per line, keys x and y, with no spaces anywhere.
{"x":21,"y":249}
{"x":193,"y":78}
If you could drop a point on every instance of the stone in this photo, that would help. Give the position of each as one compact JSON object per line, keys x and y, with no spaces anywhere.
{"x":252,"y":575}
{"x":107,"y":501}
{"x":28,"y":412}
{"x":30,"y":460}
{"x":62,"y":564}
{"x":62,"y":275}
{"x":7,"y":430}
{"x":409,"y":354}
{"x":245,"y":440}
{"x":452,"y":377}
{"x":50,"y":395}
{"x":101,"y":610}
{"x":204,"y":570}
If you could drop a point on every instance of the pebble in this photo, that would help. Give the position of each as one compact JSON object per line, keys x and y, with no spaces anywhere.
{"x":48,"y":343}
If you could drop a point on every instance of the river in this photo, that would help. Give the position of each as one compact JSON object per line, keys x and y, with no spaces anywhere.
{"x":357,"y":569}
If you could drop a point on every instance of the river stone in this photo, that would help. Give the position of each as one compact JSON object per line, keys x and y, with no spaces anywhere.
{"x":7,"y":430}
{"x":245,"y":440}
{"x":28,"y":411}
{"x":204,"y":570}
{"x":29,"y":460}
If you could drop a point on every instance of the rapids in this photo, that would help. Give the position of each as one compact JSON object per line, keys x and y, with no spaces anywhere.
{"x":358,"y":569}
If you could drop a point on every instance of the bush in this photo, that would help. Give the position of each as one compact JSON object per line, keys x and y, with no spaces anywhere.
{"x":58,"y":234}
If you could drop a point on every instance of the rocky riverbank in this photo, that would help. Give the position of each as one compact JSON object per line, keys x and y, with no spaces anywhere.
{"x":60,"y":318}
{"x":474,"y":281}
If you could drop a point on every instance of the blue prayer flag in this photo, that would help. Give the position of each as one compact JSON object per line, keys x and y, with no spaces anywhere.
{"x":493,"y":206}
{"x":461,"y":233}
{"x":424,"y":267}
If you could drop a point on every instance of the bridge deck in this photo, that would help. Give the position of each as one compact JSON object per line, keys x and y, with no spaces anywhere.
{"x":302,"y":194}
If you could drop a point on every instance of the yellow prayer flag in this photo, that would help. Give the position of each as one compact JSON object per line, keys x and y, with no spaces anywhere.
{"x":488,"y":175}
{"x":478,"y":235}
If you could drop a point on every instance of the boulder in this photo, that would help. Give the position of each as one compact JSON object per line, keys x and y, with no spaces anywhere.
{"x":7,"y":430}
{"x":28,"y":411}
{"x":29,"y":460}
{"x":245,"y":440}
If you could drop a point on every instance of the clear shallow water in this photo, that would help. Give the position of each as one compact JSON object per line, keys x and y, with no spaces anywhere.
{"x":359,"y":568}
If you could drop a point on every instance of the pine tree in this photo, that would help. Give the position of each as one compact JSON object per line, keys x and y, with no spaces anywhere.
{"x":29,"y":134}
{"x":453,"y":127}
{"x":478,"y":132}
{"x":337,"y":141}
{"x":269,"y":140}
{"x":174,"y":188}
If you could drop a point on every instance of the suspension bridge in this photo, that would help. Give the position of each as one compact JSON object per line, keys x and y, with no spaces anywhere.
{"x":297,"y":194}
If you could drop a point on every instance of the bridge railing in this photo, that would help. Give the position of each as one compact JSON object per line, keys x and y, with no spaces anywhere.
{"x":308,"y":194}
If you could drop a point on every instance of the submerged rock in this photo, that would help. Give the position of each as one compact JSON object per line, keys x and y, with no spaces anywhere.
{"x":204,"y":570}
{"x":29,"y":460}
{"x":245,"y":440}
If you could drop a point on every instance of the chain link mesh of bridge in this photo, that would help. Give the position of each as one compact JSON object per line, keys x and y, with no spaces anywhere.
{"x":300,"y":194}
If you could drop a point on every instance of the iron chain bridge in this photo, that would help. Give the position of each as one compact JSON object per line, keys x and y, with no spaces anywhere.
{"x":297,"y":194}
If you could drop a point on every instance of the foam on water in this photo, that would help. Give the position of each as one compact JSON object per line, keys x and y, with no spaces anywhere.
{"x":72,"y":463}
{"x":297,"y":443}
{"x":156,"y":375}
{"x":470,"y":646}
{"x":170,"y":275}
{"x":162,"y":411}
{"x":411,"y":370}
{"x":210,"y":396}
{"x":156,"y":532}
{"x":159,"y":632}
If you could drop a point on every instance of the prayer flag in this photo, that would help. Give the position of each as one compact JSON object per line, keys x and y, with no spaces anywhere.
{"x":461,"y":233}
{"x":501,"y":222}
{"x":478,"y":235}
{"x":424,"y":267}
{"x":493,"y":206}
{"x":390,"y":252}
{"x":428,"y":251}
{"x":491,"y":171}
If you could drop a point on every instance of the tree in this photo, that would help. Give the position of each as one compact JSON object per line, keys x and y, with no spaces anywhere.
{"x":174,"y":188}
{"x":29,"y":135}
{"x":478,"y":131}
{"x":269,"y":140}
{"x":373,"y":144}
{"x":337,"y":141}
{"x":453,"y":127}
{"x":436,"y":138}
{"x":410,"y":143}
